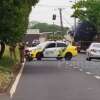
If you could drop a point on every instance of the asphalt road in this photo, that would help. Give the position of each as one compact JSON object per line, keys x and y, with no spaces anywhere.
{"x":88,"y":66}
{"x":56,"y":80}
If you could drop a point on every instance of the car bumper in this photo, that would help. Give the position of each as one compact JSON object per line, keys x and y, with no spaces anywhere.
{"x":93,"y":55}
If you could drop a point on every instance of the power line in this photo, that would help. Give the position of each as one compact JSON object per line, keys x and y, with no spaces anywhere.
{"x":54,"y":6}
{"x":64,"y":19}
{"x":67,"y":22}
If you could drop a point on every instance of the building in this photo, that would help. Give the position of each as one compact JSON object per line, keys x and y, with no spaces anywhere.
{"x":33,"y":36}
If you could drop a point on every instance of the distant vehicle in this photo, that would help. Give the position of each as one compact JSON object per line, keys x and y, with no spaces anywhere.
{"x":35,"y":42}
{"x":93,"y":52}
{"x":52,"y":49}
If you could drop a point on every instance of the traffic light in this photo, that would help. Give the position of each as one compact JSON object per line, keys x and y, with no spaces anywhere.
{"x":54,"y":17}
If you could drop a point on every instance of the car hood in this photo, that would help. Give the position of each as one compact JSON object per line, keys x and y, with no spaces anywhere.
{"x":31,"y":48}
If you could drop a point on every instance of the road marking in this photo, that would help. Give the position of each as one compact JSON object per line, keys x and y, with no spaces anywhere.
{"x":97,"y":77}
{"x":76,"y":67}
{"x":81,"y":70}
{"x":89,"y":73}
{"x":65,"y":70}
{"x":15,"y":84}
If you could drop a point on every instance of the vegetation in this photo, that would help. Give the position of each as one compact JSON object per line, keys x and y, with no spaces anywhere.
{"x":14,"y":20}
{"x":89,"y":11}
{"x":55,"y":30}
{"x":7,"y":67}
{"x":14,"y":16}
{"x":44,"y":27}
{"x":85,"y":32}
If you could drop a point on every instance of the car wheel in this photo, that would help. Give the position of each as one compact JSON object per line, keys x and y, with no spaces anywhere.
{"x":79,"y":51}
{"x":59,"y":58}
{"x":88,"y":59}
{"x":68,"y":56}
{"x":39,"y":56}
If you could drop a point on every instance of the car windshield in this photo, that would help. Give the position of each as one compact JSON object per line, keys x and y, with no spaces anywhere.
{"x":41,"y":45}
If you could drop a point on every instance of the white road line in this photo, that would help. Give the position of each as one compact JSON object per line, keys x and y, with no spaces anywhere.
{"x":76,"y":67}
{"x":97,"y":77}
{"x":14,"y":86}
{"x":89,"y":73}
{"x":81,"y":70}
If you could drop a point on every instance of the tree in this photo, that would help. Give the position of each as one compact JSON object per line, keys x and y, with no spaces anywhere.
{"x":55,"y":30}
{"x":44,"y":27}
{"x":88,"y":10}
{"x":85,"y":33}
{"x":14,"y":16}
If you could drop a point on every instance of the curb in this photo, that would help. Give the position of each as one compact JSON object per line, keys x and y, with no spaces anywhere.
{"x":15,"y":84}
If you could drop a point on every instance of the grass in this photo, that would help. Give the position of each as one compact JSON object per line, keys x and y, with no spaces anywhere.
{"x":6,"y":62}
{"x":6,"y":66}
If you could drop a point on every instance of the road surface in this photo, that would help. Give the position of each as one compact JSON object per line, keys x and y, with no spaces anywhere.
{"x":56,"y":80}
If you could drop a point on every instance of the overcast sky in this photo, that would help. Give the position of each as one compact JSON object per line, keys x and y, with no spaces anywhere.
{"x":44,"y":10}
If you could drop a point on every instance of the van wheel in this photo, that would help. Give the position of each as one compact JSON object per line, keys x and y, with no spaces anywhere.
{"x":39,"y":56}
{"x":68,"y":56}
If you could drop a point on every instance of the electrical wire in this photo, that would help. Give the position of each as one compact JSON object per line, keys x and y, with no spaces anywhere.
{"x":54,"y":6}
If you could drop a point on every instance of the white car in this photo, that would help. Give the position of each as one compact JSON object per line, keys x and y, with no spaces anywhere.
{"x":93,"y":52}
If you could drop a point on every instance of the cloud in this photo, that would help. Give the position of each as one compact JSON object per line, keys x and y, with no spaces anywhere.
{"x":46,"y":8}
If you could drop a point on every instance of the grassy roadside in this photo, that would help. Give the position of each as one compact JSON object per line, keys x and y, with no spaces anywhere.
{"x":7,"y":66}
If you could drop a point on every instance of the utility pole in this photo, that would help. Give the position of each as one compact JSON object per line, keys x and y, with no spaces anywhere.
{"x":61,"y":21}
{"x":54,"y":18}
{"x":75,"y":22}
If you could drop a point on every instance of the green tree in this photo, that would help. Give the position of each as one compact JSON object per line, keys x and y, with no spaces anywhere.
{"x":88,"y":10}
{"x":44,"y":27}
{"x":54,"y":29}
{"x":14,"y":16}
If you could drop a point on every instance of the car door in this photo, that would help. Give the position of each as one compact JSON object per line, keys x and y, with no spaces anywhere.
{"x":60,"y":46}
{"x":50,"y":50}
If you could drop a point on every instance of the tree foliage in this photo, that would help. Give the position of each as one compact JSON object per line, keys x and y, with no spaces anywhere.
{"x":55,"y":30}
{"x":85,"y":32}
{"x":88,"y":10}
{"x":14,"y":19}
{"x":44,"y":27}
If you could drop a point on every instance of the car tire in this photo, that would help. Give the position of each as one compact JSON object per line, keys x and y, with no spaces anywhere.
{"x":88,"y":59}
{"x":68,"y":56}
{"x":58,"y":58}
{"x":39,"y":56}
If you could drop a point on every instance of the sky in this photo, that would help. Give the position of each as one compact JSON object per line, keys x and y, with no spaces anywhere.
{"x":44,"y":10}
